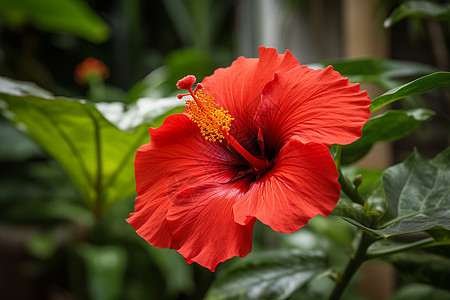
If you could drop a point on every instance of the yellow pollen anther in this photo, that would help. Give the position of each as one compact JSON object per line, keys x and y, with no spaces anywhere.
{"x":214,"y":121}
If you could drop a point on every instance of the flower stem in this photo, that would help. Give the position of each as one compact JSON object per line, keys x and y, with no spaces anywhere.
{"x":346,"y":186}
{"x":352,"y":266}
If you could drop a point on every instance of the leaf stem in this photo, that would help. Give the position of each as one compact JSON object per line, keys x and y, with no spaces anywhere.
{"x":399,"y":248}
{"x":352,"y":266}
{"x":346,"y":186}
{"x":98,"y":155}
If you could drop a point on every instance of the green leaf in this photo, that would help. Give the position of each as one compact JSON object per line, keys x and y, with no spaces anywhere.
{"x":97,"y":155}
{"x":419,"y":86}
{"x":421,"y":9}
{"x":68,"y":16}
{"x":389,"y":126}
{"x":418,"y":195}
{"x":268,"y":275}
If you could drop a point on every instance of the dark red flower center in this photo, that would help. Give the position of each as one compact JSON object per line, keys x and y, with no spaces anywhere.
{"x":214,"y":121}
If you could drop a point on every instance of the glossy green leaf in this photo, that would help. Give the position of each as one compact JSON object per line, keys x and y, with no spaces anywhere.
{"x":389,"y":126}
{"x":97,"y":155}
{"x":418,"y":195}
{"x":68,"y":16}
{"x":419,"y":86}
{"x":269,"y":275}
{"x":421,"y":9}
{"x":385,"y":73}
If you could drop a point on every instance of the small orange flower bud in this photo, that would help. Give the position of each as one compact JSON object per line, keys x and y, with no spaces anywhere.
{"x":90,"y":67}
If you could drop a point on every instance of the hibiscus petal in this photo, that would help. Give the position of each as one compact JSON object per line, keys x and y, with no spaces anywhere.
{"x":176,"y":158}
{"x":238,"y":87}
{"x":202,"y":221}
{"x":301,"y":184}
{"x":313,"y":105}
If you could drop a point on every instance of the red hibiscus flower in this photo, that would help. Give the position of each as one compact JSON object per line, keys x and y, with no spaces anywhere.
{"x":252,"y":144}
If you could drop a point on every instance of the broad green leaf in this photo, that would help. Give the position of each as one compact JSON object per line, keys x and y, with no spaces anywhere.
{"x":269,"y":275}
{"x":419,"y":86}
{"x":421,"y":9}
{"x":97,"y":155}
{"x":389,"y":126}
{"x":105,"y":270}
{"x":418,"y":195}
{"x":69,"y":16}
{"x":385,"y":73}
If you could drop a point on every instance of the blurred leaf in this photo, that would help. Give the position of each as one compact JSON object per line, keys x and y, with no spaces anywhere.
{"x":419,"y":291}
{"x":385,"y":73}
{"x":268,"y":275}
{"x":188,"y":61}
{"x":178,"y":275}
{"x":45,"y":211}
{"x":441,"y":236}
{"x":179,"y":15}
{"x":421,"y":9}
{"x":389,"y":126}
{"x":105,"y":270}
{"x":419,"y":86}
{"x":334,"y":229}
{"x":18,"y":147}
{"x":69,"y":16}
{"x":145,"y":111}
{"x":97,"y":155}
{"x":420,"y":266}
{"x":42,"y":245}
{"x":153,"y":85}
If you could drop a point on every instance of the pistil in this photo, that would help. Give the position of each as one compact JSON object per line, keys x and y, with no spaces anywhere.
{"x":214,"y":121}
